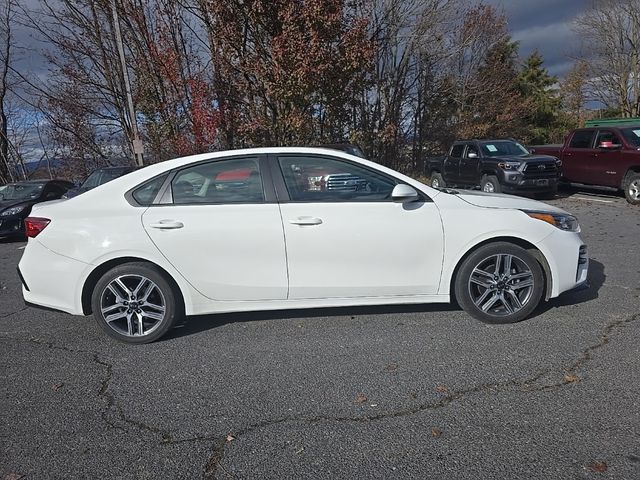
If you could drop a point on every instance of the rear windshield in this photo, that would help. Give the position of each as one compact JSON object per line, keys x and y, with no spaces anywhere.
{"x":632,"y":135}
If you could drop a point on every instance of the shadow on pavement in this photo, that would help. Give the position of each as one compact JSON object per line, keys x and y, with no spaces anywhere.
{"x":201,"y":323}
{"x":596,"y":279}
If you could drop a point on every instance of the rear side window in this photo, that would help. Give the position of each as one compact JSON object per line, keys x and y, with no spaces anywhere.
{"x":146,"y":193}
{"x":582,"y":139}
{"x":223,"y":181}
{"x":457,"y":150}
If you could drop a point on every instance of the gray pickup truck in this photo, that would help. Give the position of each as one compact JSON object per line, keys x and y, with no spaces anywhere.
{"x":500,"y":165}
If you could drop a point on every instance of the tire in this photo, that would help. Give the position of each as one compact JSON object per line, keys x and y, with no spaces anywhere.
{"x":156,"y":306}
{"x":490,"y":184}
{"x":631,"y":187}
{"x":437,"y":181}
{"x":475,"y":291}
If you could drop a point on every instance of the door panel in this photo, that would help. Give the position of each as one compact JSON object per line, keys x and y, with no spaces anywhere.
{"x":227,"y":252}
{"x":469,"y":172}
{"x":363,"y":249}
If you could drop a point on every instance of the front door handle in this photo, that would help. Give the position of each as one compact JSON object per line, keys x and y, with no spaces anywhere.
{"x":306,"y":221}
{"x":167,"y":225}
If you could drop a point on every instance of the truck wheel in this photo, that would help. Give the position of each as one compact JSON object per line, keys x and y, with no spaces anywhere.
{"x":631,"y":186}
{"x":490,"y":184}
{"x":437,"y":181}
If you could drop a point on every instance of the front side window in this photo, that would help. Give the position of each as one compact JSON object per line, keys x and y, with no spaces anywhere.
{"x":321,"y":179}
{"x":222,"y":181}
{"x":607,"y":137}
{"x":472,"y":149}
{"x":582,"y":139}
{"x":632,"y":136}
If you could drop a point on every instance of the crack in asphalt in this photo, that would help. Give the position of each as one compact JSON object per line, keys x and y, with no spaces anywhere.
{"x":7,"y":315}
{"x":214,"y":462}
{"x":527,"y":385}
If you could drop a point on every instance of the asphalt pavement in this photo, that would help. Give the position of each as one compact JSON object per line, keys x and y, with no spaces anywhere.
{"x":380,"y":392}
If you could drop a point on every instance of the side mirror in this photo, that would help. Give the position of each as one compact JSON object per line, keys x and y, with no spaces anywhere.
{"x":472,"y":155}
{"x":404,"y":193}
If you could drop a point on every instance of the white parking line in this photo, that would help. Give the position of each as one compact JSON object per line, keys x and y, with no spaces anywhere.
{"x":22,"y":247}
{"x":593,"y":199}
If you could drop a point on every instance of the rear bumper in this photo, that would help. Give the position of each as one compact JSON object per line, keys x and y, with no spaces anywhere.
{"x":50,"y":280}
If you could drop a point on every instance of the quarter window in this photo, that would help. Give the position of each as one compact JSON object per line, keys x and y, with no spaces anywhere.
{"x":146,"y":193}
{"x":582,"y":139}
{"x":320,"y":179}
{"x":223,"y":181}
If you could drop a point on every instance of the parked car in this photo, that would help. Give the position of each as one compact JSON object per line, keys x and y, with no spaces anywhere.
{"x":499,"y":165}
{"x":99,"y":177}
{"x":140,"y":252}
{"x":606,"y":156}
{"x":17,"y":199}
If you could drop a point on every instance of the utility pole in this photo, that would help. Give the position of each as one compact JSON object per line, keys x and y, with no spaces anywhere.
{"x":138,"y":146}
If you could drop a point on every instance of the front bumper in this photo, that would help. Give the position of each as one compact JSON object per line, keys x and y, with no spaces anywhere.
{"x":519,"y":183}
{"x":568,"y":261}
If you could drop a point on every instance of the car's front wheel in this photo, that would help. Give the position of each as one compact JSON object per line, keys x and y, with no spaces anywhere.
{"x":499,"y":283}
{"x":632,"y":188}
{"x":135,"y":303}
{"x":437,"y":180}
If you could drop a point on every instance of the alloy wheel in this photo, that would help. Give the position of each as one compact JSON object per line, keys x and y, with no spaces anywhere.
{"x":501,"y":285}
{"x":133,"y":305}
{"x":634,"y":189}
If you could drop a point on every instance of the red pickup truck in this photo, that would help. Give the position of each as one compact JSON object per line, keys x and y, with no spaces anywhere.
{"x":602,"y":156}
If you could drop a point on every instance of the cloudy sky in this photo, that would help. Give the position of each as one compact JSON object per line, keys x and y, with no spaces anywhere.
{"x":545,"y":25}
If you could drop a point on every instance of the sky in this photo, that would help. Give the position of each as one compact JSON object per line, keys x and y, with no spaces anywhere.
{"x":545,"y":25}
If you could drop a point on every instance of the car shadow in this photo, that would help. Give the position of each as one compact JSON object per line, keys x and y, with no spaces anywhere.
{"x":595,"y":280}
{"x":12,"y":240}
{"x":200,"y":323}
{"x":567,"y":191}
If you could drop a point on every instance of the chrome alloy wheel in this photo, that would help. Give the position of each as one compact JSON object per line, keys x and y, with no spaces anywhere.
{"x":132,"y":305}
{"x":501,"y":285}
{"x":435,"y":183}
{"x":634,"y":189}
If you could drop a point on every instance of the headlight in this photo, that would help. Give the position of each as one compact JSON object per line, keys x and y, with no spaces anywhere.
{"x":563,"y":221}
{"x":509,"y":165}
{"x":12,"y":211}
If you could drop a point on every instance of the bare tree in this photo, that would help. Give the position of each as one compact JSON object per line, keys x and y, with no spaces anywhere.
{"x":610,"y":31}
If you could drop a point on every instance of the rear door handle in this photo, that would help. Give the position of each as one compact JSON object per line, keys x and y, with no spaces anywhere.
{"x":306,"y":221}
{"x":167,"y":225}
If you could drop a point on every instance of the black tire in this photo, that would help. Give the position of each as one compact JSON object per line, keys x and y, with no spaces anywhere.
{"x":132,"y":312}
{"x":469,"y":294}
{"x":490,"y":183}
{"x":631,"y":187}
{"x":437,"y":178}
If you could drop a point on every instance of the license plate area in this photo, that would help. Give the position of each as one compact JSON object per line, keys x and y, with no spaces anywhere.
{"x":543,"y":182}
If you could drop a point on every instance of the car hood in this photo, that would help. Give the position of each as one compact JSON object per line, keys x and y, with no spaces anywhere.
{"x":527,"y":158}
{"x":501,"y":200}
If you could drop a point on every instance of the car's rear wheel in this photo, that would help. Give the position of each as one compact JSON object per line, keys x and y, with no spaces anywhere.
{"x":437,"y":181}
{"x":135,"y":303}
{"x":499,"y":283}
{"x":632,"y":188}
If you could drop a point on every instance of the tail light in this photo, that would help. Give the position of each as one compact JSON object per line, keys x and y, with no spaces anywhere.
{"x":34,"y":225}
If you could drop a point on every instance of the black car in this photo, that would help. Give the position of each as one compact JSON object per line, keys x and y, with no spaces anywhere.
{"x":16,"y":200}
{"x":499,"y":165}
{"x":99,"y":177}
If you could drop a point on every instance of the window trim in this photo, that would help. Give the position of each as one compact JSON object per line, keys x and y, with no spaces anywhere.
{"x":283,"y":193}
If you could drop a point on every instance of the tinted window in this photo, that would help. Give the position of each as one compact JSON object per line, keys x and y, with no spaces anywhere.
{"x":456,"y":151}
{"x":21,"y":191}
{"x":320,"y":179}
{"x":224,"y":181}
{"x":146,"y":193}
{"x":471,"y":149}
{"x":582,"y":139}
{"x":632,"y":135}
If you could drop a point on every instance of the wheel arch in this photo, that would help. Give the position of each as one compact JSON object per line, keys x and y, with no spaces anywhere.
{"x":100,"y":270}
{"x":528,"y":246}
{"x":630,"y":170}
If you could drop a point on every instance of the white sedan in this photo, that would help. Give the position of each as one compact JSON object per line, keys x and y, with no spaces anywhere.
{"x":277,"y":228}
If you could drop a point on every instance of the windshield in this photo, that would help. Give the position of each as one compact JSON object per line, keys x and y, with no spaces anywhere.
{"x":100,"y":177}
{"x":502,"y":147}
{"x":632,"y":135}
{"x":21,"y":191}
